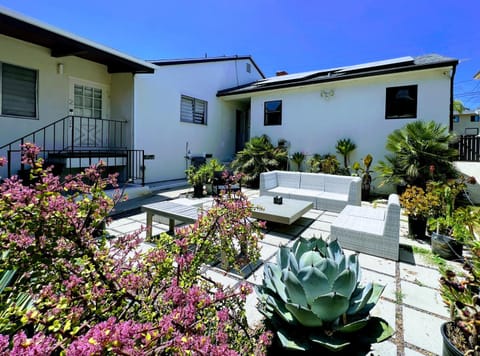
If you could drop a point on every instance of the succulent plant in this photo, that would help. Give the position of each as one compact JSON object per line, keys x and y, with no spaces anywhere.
{"x":312,"y":298}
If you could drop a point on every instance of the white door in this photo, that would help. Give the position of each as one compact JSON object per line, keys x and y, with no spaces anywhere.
{"x":88,"y":102}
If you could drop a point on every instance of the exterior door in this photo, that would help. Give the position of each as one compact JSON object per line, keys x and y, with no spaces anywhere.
{"x":242,"y":133}
{"x":88,"y":102}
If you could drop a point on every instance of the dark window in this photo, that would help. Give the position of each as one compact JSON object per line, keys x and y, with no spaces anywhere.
{"x":273,"y":113}
{"x":193,"y":110}
{"x":474,"y":118}
{"x":456,"y":118}
{"x":401,"y":102}
{"x":18,"y":91}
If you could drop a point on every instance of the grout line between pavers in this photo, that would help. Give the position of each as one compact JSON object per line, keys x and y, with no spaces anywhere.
{"x":399,"y":335}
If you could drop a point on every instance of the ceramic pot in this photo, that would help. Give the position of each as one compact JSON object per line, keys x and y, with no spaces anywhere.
{"x":446,"y":247}
{"x":417,"y":226}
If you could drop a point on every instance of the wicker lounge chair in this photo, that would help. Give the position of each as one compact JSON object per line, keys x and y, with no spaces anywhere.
{"x":373,"y":231}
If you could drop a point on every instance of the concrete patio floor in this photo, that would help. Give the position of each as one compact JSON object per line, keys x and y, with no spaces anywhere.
{"x":411,"y":302}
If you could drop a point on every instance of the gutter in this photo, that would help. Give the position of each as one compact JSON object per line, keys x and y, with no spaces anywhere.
{"x":450,"y":120}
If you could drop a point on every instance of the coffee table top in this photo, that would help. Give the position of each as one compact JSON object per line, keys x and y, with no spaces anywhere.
{"x":286,"y":213}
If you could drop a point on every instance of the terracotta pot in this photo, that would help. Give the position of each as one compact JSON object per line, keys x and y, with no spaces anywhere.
{"x":417,"y":226}
{"x":446,"y":247}
{"x":448,"y":348}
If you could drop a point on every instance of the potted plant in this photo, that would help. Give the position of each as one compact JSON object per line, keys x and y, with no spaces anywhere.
{"x":461,"y":294}
{"x":213,"y":165}
{"x":364,"y":173}
{"x":451,"y":226}
{"x":196,"y":178}
{"x":418,"y":204}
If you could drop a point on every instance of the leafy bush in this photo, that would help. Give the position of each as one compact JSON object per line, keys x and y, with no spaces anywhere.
{"x":414,"y":149}
{"x":92,"y":294}
{"x":258,"y":156}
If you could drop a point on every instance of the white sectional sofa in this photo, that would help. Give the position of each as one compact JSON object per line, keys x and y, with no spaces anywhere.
{"x":326,"y":191}
{"x":374,"y":231}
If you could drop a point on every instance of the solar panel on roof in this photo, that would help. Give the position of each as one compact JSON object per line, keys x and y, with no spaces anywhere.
{"x":386,"y":62}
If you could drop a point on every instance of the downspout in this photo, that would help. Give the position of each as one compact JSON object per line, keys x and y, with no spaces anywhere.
{"x":450,"y":126}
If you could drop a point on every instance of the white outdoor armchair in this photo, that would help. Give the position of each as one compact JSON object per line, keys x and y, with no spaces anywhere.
{"x":373,"y":231}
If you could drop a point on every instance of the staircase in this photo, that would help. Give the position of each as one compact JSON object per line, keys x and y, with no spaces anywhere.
{"x":75,"y":142}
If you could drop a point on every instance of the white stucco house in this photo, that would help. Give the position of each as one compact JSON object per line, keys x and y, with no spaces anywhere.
{"x":50,"y":76}
{"x":82,"y":101}
{"x":178,"y":113}
{"x":363,"y":102}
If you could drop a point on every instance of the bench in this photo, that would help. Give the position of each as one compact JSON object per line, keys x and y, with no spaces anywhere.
{"x":325,"y":191}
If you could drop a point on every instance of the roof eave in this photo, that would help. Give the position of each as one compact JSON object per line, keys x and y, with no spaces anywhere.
{"x":63,"y":44}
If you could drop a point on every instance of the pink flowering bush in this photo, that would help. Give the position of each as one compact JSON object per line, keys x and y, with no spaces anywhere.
{"x":91,"y":294}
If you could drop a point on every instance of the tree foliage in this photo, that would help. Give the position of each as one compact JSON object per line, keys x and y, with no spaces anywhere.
{"x":92,"y":294}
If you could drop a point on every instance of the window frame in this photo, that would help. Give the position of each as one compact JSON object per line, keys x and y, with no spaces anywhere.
{"x":195,"y":102}
{"x":36,"y":76}
{"x":395,"y":110}
{"x":267,"y":120}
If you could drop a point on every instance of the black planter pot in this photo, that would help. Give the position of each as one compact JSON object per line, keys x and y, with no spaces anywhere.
{"x":365,"y":194}
{"x":448,"y":348}
{"x":198,"y":190}
{"x":446,"y":247}
{"x":417,"y":226}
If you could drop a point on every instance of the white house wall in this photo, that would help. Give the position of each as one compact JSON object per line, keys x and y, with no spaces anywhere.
{"x":158,"y":129}
{"x":313,"y":124}
{"x":53,"y":88}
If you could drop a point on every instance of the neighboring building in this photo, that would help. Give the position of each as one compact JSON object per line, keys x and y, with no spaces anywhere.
{"x":363,"y":102}
{"x":467,"y":122}
{"x":178,"y":113}
{"x":47,"y":74}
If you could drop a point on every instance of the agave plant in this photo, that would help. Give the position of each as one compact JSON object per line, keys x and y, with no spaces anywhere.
{"x":312,"y":298}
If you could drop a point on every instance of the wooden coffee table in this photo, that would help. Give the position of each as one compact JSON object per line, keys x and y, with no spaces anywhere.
{"x":286,"y":213}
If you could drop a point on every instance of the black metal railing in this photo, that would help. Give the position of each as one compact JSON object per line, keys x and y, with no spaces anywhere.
{"x":469,"y":148}
{"x":74,"y":140}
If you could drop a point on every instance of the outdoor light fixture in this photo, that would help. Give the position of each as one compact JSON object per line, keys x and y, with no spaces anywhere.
{"x":60,"y":68}
{"x":327,"y":93}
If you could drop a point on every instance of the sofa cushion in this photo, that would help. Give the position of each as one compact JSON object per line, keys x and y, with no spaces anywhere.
{"x":283,"y":191}
{"x":288,"y":179}
{"x":365,"y":212}
{"x":312,"y":181}
{"x":337,"y":184}
{"x":269,"y":180}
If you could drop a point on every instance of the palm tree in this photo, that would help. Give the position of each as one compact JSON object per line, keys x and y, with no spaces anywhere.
{"x":345,"y":146}
{"x":258,"y":156}
{"x":458,"y":106}
{"x":419,"y":151}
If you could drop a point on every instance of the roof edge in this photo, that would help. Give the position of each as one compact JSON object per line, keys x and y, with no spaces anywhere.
{"x":290,"y":84}
{"x":70,"y":36}
{"x":181,"y":61}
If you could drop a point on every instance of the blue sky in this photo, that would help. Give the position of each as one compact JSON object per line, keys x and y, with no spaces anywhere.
{"x":295,"y":36}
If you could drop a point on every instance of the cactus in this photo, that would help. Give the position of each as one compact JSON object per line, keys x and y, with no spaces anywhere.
{"x":312,"y":298}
